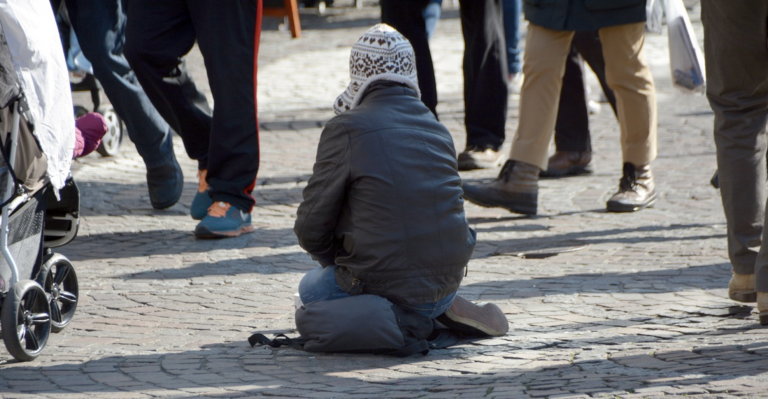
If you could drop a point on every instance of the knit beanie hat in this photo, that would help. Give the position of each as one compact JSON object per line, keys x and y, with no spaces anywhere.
{"x":382,"y":53}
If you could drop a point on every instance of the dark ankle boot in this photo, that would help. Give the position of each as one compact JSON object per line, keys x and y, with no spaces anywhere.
{"x":636,"y":190}
{"x":516,"y":189}
{"x":568,"y":163}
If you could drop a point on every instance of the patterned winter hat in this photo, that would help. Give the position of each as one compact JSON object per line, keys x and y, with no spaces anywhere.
{"x":382,"y":53}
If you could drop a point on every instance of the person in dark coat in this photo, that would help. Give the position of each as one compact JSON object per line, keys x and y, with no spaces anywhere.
{"x":383,"y":212}
{"x":736,"y":57}
{"x":552,"y":23}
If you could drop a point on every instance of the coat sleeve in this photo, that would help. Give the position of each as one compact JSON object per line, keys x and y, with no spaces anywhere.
{"x":324,"y":195}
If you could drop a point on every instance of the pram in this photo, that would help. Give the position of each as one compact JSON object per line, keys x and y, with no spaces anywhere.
{"x":38,"y":288}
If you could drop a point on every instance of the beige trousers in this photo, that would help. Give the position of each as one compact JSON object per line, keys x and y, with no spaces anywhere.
{"x":627,"y":74}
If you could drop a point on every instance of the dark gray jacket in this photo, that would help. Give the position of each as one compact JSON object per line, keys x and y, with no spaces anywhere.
{"x":583,"y":15}
{"x":385,"y":201}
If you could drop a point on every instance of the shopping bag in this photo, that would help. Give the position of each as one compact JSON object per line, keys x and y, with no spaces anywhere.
{"x":654,"y":13}
{"x":685,"y":58}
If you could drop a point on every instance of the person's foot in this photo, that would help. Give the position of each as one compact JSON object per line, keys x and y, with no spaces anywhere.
{"x":477,"y":320}
{"x":475,"y":157}
{"x":636,"y":190}
{"x":516,"y":189}
{"x":165,"y":183}
{"x":742,"y":288}
{"x":568,"y":163}
{"x":594,"y":107}
{"x":515,"y":83}
{"x":762,"y":307}
{"x":223,"y":220}
{"x":202,"y":200}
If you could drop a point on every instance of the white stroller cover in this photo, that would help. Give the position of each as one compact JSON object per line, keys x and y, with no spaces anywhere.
{"x":38,"y":59}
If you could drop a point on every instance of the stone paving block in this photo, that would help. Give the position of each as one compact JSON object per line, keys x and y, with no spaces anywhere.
{"x":644,"y":305}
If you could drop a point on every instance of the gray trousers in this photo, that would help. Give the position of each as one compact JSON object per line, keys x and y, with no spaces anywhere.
{"x":736,"y":54}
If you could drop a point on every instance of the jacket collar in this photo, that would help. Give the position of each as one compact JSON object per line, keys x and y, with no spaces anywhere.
{"x":386,"y":88}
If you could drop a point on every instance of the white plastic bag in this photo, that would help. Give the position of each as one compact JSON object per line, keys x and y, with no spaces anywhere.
{"x":685,"y":58}
{"x":654,"y":12}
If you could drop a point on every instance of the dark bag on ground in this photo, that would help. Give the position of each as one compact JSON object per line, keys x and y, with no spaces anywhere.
{"x":361,"y":324}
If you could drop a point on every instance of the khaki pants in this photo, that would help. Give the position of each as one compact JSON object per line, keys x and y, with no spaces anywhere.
{"x":627,"y":74}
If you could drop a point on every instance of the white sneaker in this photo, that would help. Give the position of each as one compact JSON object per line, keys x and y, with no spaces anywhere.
{"x":594,"y":107}
{"x":515,"y":83}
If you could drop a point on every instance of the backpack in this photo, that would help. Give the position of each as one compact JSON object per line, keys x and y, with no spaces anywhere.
{"x":361,"y":324}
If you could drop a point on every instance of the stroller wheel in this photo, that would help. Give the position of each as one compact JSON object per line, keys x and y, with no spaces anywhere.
{"x":110,"y":143}
{"x":59,"y":281}
{"x":26,"y":321}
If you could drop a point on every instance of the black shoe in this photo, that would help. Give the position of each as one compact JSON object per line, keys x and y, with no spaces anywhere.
{"x":165,"y":183}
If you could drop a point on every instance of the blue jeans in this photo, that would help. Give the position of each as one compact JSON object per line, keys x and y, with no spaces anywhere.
{"x":319,"y":284}
{"x":431,"y":15}
{"x":100,"y":29}
{"x":512,"y":10}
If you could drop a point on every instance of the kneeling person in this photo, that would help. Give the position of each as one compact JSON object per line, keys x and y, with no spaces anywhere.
{"x":383,"y":212}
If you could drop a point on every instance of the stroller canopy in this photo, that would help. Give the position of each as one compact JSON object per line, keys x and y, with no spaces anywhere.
{"x":32,"y":62}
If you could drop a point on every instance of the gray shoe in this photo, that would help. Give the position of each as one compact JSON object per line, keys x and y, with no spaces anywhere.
{"x":516,"y":189}
{"x":475,"y":320}
{"x":165,"y":183}
{"x":475,"y":157}
{"x":636,"y":190}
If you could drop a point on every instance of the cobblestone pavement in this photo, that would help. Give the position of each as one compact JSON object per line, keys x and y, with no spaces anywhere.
{"x":634,"y":305}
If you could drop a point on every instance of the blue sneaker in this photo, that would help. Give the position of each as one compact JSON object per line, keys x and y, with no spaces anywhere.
{"x":202,"y":200}
{"x":223,"y":220}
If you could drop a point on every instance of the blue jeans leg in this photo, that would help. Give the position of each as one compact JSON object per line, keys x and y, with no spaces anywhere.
{"x":319,"y":284}
{"x":431,"y":15}
{"x":512,"y":10}
{"x":432,"y":309}
{"x":100,"y":29}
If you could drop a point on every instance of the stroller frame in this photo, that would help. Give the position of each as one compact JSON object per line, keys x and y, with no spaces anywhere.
{"x":42,"y":291}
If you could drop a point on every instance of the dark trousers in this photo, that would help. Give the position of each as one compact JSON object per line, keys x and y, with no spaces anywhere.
{"x":736,"y":56}
{"x":100,"y":29}
{"x":572,"y":128}
{"x":406,"y":16}
{"x":485,"y":72}
{"x":225,"y":141}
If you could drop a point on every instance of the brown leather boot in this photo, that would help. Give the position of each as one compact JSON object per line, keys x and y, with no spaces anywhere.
{"x":568,"y":163}
{"x":742,"y":288}
{"x":636,"y":190}
{"x":762,"y":307}
{"x":516,"y":189}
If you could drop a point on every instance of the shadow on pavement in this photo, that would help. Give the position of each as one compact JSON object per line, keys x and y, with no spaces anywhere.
{"x":703,"y":277}
{"x":118,"y":199}
{"x":233,"y":369}
{"x":167,"y":242}
{"x":557,"y":242}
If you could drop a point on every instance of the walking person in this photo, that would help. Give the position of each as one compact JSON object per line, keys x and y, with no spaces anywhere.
{"x":736,"y":56}
{"x":100,"y":29}
{"x":224,"y":141}
{"x":484,"y":67}
{"x":548,"y":43}
{"x":573,"y":143}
